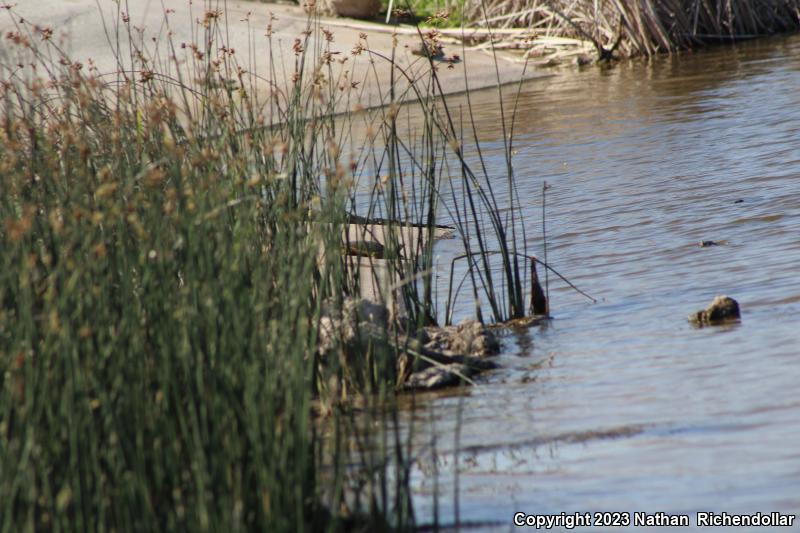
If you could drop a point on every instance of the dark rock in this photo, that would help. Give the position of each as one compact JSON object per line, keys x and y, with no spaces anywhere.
{"x":722,"y":309}
{"x":704,"y":244}
{"x":365,"y":249}
{"x":361,"y":9}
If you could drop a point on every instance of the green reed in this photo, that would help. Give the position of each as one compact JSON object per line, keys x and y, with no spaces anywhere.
{"x":161,"y":286}
{"x":171,"y":235}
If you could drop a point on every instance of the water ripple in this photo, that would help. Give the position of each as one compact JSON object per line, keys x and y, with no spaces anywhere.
{"x":645,"y":161}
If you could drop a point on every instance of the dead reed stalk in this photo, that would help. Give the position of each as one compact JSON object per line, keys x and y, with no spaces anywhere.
{"x":632,"y":27}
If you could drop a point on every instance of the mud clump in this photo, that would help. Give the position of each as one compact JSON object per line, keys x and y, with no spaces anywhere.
{"x":723,"y":309}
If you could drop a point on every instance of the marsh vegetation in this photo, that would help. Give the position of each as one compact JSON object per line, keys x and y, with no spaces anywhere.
{"x":172,"y":235}
{"x":560,"y":29}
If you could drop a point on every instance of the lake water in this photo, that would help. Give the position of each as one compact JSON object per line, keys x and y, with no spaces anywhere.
{"x":622,"y":405}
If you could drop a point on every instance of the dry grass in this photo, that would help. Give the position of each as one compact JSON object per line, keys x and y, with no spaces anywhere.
{"x":630,"y":27}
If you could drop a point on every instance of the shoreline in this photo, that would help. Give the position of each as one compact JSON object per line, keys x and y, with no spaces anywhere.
{"x":86,"y":32}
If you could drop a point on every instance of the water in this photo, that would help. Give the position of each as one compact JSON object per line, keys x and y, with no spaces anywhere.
{"x":621,"y":405}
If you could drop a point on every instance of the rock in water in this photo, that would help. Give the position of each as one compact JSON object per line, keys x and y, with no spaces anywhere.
{"x":355,"y":324}
{"x":436,"y":377}
{"x":468,"y":338}
{"x":722,"y":309}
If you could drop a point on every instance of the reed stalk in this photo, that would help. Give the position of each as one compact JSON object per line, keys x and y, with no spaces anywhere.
{"x":161,"y":290}
{"x":634,"y":27}
{"x":172,"y":236}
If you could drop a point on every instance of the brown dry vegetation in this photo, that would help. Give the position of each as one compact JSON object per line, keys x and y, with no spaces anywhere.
{"x":631,"y":27}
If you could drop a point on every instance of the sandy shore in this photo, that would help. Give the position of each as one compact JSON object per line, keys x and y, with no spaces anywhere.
{"x":88,"y":26}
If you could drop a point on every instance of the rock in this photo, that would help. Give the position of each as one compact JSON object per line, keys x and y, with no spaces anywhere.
{"x":357,"y":321}
{"x":368,"y":311}
{"x":474,"y":339}
{"x":360,"y":9}
{"x":706,"y":244}
{"x":436,"y":377}
{"x":446,"y":374}
{"x":366,"y":249}
{"x":468,"y":338}
{"x":416,"y":366}
{"x":722,"y":309}
{"x":426,"y":359}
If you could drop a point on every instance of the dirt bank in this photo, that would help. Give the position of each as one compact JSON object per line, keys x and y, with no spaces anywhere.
{"x":89,"y":29}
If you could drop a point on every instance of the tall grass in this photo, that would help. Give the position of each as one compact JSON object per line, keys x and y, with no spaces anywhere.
{"x":171,"y":237}
{"x":160,"y":295}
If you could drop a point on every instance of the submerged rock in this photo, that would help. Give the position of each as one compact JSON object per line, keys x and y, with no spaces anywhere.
{"x":722,"y":309}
